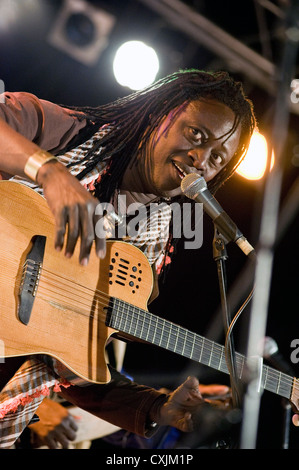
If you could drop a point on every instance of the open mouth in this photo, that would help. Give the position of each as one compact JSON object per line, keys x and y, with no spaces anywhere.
{"x":182,"y":173}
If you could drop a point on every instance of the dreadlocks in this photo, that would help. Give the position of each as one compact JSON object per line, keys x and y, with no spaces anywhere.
{"x":137,"y":115}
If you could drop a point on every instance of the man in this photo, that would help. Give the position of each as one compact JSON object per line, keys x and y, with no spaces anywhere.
{"x":139,"y":147}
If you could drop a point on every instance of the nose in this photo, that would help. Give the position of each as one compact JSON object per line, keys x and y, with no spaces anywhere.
{"x":199,"y":159}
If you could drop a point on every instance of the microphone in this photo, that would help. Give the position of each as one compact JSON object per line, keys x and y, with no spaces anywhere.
{"x":275,"y":358}
{"x":195,"y":187}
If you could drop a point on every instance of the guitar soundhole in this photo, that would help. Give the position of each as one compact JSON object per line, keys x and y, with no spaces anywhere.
{"x":123,"y":273}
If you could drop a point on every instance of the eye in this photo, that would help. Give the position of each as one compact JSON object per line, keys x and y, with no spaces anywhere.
{"x":217,"y":159}
{"x":196,"y":135}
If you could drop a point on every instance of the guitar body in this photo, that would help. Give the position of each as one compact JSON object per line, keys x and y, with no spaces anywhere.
{"x":53,"y":306}
{"x":69,"y":301}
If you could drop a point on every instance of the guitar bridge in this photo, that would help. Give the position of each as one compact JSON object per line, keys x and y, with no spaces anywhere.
{"x":30,"y":278}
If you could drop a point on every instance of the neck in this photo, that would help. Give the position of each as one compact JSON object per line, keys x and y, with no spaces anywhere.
{"x":134,"y":180}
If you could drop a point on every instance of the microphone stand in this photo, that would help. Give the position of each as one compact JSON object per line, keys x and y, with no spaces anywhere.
{"x":220,"y":256}
{"x":287,"y":416}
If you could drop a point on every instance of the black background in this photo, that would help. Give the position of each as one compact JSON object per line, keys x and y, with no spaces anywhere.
{"x":190,"y":296}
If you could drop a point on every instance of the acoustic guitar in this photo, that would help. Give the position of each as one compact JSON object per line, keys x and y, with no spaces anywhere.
{"x":55,"y":307}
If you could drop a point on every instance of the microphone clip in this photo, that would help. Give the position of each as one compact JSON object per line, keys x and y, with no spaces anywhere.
{"x":219,"y":246}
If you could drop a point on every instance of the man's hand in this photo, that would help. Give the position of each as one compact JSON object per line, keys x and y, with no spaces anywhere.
{"x":55,"y":428}
{"x":216,"y":395}
{"x":187,"y":401}
{"x":73,"y":208}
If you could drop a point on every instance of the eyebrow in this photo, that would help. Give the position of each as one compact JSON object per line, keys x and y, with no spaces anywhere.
{"x":211,"y":135}
{"x":228,"y":134}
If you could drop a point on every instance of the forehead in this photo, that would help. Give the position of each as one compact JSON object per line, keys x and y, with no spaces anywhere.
{"x":210,"y":111}
{"x":213,"y":117}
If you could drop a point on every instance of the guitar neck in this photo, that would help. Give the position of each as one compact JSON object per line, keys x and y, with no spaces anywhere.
{"x":149,"y":328}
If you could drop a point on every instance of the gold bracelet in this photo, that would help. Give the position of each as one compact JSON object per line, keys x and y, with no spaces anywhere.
{"x":35,"y":162}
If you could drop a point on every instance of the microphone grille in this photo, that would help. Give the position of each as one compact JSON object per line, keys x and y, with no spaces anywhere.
{"x":192,"y":184}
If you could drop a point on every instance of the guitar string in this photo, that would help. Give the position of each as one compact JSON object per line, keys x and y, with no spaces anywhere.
{"x":98,"y":294}
{"x":271,"y":374}
{"x":106,"y":296}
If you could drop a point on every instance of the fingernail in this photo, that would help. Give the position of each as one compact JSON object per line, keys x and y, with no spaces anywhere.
{"x":101,"y":254}
{"x":295,"y":420}
{"x":84,"y":261}
{"x":68,"y":255}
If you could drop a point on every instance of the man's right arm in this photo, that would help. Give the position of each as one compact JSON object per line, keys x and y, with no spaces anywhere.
{"x":72,"y":206}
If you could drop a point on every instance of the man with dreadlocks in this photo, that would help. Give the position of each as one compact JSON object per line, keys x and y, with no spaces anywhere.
{"x":139,"y":146}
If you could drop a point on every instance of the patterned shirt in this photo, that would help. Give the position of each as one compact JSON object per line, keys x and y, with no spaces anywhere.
{"x":23,"y":394}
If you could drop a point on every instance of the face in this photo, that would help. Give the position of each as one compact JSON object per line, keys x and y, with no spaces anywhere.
{"x":196,"y":141}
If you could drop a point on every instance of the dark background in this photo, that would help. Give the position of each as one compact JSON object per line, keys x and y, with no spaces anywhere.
{"x":190,"y":296}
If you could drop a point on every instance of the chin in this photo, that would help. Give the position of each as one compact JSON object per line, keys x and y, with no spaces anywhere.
{"x":173,"y":192}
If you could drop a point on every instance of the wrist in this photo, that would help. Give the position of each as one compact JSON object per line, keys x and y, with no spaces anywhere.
{"x":36,"y":162}
{"x":155,"y":416}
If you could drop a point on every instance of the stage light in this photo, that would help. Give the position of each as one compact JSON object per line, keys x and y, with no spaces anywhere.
{"x":14,"y":12}
{"x":254,"y":164}
{"x":135,"y":65}
{"x":81,"y":30}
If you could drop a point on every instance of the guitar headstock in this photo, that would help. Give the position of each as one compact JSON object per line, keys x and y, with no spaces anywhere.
{"x":295,"y":394}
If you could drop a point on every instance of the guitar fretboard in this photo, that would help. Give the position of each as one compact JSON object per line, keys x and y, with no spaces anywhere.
{"x":143,"y":325}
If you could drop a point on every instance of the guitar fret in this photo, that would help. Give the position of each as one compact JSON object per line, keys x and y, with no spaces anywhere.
{"x":93,"y":303}
{"x":278,"y":383}
{"x":155,"y":330}
{"x":125,"y":318}
{"x":242,"y":368}
{"x":176,"y":340}
{"x":168,"y":339}
{"x":149,"y":331}
{"x":189,"y":346}
{"x":266,"y":377}
{"x":143,"y":322}
{"x":209,"y":364}
{"x":184,"y":344}
{"x":192,"y":348}
{"x":155,"y":333}
{"x":221,"y":357}
{"x":201,"y":349}
{"x":162,"y":332}
{"x":285,"y":388}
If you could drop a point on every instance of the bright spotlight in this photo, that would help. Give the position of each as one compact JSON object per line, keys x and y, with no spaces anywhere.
{"x":135,"y":65}
{"x":254,"y":164}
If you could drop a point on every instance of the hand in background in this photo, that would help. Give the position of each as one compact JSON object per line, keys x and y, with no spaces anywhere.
{"x":56,"y":427}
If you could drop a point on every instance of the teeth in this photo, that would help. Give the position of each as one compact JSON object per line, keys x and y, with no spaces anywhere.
{"x":180,"y":169}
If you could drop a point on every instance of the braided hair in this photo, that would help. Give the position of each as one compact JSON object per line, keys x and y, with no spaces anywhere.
{"x":136,"y":116}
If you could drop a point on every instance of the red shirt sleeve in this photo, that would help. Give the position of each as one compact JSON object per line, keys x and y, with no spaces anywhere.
{"x":48,"y":125}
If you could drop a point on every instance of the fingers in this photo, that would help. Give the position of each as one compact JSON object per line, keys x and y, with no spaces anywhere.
{"x":86,"y":218}
{"x":61,"y":223}
{"x":191,"y":387}
{"x":61,"y":436}
{"x":191,"y":383}
{"x":187,"y":395}
{"x":100,"y":236}
{"x":214,"y":390}
{"x":74,"y":210}
{"x":77,"y":224}
{"x":186,"y":423}
{"x":295,"y":420}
